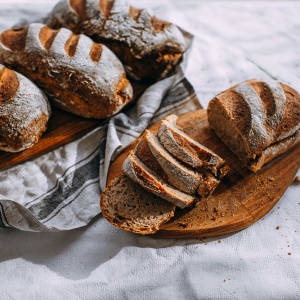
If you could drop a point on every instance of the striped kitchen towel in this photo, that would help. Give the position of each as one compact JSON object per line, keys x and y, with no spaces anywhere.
{"x":61,"y":189}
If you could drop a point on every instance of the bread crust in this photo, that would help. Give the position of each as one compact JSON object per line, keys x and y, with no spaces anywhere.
{"x":24,"y":112}
{"x":149,"y":180}
{"x":149,"y":48}
{"x":80,"y":76}
{"x":154,"y":156}
{"x":258,"y":120}
{"x":188,"y":150}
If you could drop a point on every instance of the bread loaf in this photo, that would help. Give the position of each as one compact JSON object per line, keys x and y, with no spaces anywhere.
{"x":181,"y":176}
{"x":156,"y":158}
{"x":127,"y":205}
{"x":24,"y":111}
{"x":188,"y":150}
{"x":136,"y":170}
{"x":148,"y":47}
{"x":257,"y":120}
{"x":80,"y":76}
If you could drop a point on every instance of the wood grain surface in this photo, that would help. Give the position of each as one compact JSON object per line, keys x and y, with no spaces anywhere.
{"x":241,"y":198}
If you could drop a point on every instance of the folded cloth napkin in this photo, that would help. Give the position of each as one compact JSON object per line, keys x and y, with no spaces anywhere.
{"x":61,"y":190}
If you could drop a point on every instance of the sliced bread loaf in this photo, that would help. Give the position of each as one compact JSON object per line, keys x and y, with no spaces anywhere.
{"x":127,"y":205}
{"x":188,"y":150}
{"x":158,"y":159}
{"x":134,"y":168}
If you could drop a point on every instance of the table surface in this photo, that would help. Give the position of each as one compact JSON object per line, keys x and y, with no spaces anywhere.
{"x":234,"y":41}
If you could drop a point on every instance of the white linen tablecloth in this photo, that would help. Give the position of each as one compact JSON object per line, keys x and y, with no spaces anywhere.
{"x":234,"y":41}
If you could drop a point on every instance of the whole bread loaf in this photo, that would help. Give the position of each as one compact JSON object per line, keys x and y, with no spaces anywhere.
{"x":257,"y":120}
{"x":80,"y":76}
{"x":149,"y":48}
{"x":127,"y":205}
{"x":24,"y":111}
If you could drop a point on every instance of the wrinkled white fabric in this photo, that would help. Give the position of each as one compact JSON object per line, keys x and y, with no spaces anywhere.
{"x":234,"y":41}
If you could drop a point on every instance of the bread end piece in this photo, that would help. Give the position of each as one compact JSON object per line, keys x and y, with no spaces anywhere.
{"x":126,"y":205}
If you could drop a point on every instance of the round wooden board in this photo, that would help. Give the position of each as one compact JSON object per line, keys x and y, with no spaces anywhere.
{"x":241,"y":198}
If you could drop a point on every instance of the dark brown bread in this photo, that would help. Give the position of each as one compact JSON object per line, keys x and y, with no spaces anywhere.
{"x":137,"y":171}
{"x":174,"y":171}
{"x":188,"y":150}
{"x":159,"y":160}
{"x":24,"y":111}
{"x":127,"y":205}
{"x":258,"y":120}
{"x":149,"y":48}
{"x":80,"y":76}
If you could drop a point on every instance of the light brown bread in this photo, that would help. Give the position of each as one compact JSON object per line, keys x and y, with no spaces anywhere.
{"x":24,"y":112}
{"x":137,"y":171}
{"x":188,"y":150}
{"x":257,"y":120}
{"x":149,"y":48}
{"x":80,"y":76}
{"x":127,"y":205}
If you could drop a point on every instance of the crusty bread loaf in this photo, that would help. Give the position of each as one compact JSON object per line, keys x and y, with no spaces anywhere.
{"x":134,"y":168}
{"x":127,"y":205}
{"x":156,"y":158}
{"x":148,"y":47}
{"x":257,"y":120}
{"x":24,"y":111}
{"x":80,"y":76}
{"x":189,"y":180}
{"x":188,"y":150}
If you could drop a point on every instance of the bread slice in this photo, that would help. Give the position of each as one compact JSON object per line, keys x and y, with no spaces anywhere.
{"x":158,"y":159}
{"x":127,"y":205}
{"x":257,"y":120}
{"x":188,"y":150}
{"x":134,"y":168}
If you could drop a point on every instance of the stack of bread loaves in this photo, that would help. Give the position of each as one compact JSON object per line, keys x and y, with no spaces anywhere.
{"x":171,"y":166}
{"x":81,"y":75}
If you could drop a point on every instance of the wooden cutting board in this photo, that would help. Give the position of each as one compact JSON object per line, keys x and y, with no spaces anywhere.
{"x":241,"y":198}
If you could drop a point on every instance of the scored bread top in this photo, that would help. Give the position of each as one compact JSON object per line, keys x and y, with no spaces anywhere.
{"x":261,"y":112}
{"x":73,"y":62}
{"x":117,"y":20}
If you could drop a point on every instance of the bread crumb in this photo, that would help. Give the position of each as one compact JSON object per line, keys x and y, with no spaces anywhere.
{"x":277,"y":227}
{"x":297,"y":179}
{"x":289,"y":253}
{"x":219,"y":241}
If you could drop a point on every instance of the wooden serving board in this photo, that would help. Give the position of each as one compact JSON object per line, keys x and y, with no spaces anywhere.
{"x":241,"y":198}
